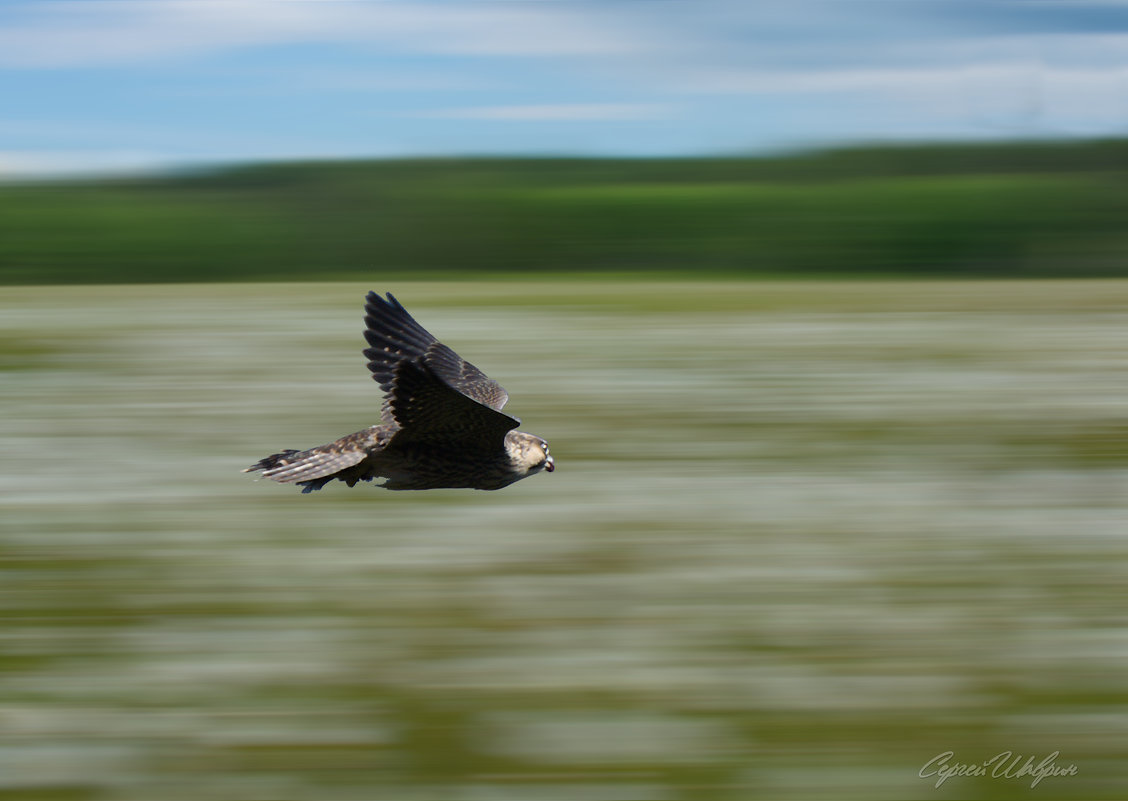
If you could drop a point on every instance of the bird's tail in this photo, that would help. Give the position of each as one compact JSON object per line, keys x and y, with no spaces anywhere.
{"x":313,"y":468}
{"x":273,"y":461}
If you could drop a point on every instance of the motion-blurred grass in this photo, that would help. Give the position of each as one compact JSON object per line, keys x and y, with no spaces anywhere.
{"x":802,"y":538}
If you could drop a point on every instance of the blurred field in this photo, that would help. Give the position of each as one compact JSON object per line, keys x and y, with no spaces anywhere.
{"x":1035,"y":210}
{"x":802,"y":538}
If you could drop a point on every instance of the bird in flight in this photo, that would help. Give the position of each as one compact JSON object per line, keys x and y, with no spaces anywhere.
{"x":441,"y":423}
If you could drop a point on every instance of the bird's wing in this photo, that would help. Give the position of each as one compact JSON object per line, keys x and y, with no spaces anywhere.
{"x":429,"y":390}
{"x":429,"y":408}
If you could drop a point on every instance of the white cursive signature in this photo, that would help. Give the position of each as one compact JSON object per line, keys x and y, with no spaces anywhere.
{"x":1004,"y":765}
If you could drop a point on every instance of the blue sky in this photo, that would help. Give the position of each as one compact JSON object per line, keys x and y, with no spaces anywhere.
{"x":127,"y":84}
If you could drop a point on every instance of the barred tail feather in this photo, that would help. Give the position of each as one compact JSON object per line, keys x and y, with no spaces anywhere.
{"x":318,"y":465}
{"x":272,"y":461}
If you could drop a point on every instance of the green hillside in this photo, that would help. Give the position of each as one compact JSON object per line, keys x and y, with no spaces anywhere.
{"x":942,"y":210}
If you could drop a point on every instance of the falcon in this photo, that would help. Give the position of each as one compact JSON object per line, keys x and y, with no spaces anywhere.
{"x":441,"y":423}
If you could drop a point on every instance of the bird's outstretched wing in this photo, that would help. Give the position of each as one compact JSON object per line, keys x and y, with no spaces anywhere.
{"x":429,"y":390}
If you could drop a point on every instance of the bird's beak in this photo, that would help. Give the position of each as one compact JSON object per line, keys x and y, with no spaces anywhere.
{"x":549,"y":465}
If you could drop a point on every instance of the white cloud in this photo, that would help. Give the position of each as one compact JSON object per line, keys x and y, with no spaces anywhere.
{"x":320,"y":79}
{"x":78,"y":34}
{"x":71,"y":33}
{"x":24,"y":164}
{"x":1011,"y":85}
{"x":556,"y":112}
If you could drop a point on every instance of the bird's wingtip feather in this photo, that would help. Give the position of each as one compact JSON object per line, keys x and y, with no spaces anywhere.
{"x":387,"y":299}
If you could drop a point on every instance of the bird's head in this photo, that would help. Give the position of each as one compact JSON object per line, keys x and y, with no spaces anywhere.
{"x":529,"y":453}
